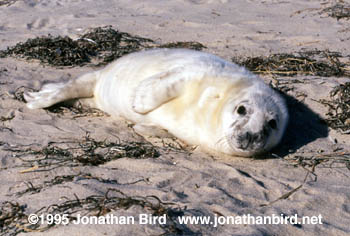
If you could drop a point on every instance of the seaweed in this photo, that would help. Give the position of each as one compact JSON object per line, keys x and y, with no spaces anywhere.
{"x":18,"y":94}
{"x":7,"y":118}
{"x":33,"y":189}
{"x":36,"y":189}
{"x":59,"y":51}
{"x":288,"y":194}
{"x":309,"y":162}
{"x":109,"y":44}
{"x":334,"y":159}
{"x":340,"y":10}
{"x":339,"y":108}
{"x":316,"y":63}
{"x":7,"y":2}
{"x":75,"y":108}
{"x":189,"y":45}
{"x":101,"y":42}
{"x":98,"y":46}
{"x":85,"y":152}
{"x":14,"y":220}
{"x":3,"y":70}
{"x":11,"y":215}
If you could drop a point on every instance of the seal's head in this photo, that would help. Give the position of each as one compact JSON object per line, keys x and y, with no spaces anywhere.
{"x":254,"y":123}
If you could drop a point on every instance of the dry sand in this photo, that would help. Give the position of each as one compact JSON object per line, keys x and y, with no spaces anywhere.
{"x":194,"y":182}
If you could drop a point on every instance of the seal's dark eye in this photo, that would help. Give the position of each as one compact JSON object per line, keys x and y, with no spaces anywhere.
{"x":273,"y":124}
{"x":241,"y":110}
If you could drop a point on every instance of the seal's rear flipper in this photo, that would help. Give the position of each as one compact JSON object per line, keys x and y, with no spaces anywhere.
{"x":157,"y":90}
{"x":50,"y":94}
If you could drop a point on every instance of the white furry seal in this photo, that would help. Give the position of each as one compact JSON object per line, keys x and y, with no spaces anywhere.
{"x":198,"y":97}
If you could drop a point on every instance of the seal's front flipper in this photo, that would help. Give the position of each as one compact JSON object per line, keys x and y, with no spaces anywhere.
{"x":50,"y":94}
{"x":157,"y":90}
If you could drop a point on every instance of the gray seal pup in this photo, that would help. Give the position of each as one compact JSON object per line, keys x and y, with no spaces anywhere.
{"x":195,"y":96}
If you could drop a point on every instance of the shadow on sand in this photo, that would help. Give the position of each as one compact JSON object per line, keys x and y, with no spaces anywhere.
{"x":305,"y":126}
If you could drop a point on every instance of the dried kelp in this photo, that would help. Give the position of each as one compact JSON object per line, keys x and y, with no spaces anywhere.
{"x":310,"y":161}
{"x":58,"y":51}
{"x":83,"y":152}
{"x":18,"y":94}
{"x":189,"y":45}
{"x":32,"y":189}
{"x":38,"y":188}
{"x":316,"y":63}
{"x":340,"y":10}
{"x":103,"y":43}
{"x":11,"y":216}
{"x":75,"y":109}
{"x":99,"y":46}
{"x":14,"y":220}
{"x":287,"y":194}
{"x":7,"y":2}
{"x":339,"y":108}
{"x":108,"y":44}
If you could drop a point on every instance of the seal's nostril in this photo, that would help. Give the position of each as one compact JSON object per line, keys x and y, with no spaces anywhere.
{"x":255,"y":137}
{"x":273,"y":124}
{"x":249,"y":137}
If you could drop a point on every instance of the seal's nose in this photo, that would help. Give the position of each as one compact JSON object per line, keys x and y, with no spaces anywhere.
{"x":253,"y":141}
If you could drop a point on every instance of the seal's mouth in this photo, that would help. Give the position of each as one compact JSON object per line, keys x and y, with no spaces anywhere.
{"x":252,"y":142}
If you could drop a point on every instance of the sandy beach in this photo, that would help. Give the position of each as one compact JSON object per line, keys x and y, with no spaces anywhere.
{"x":96,"y":176}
